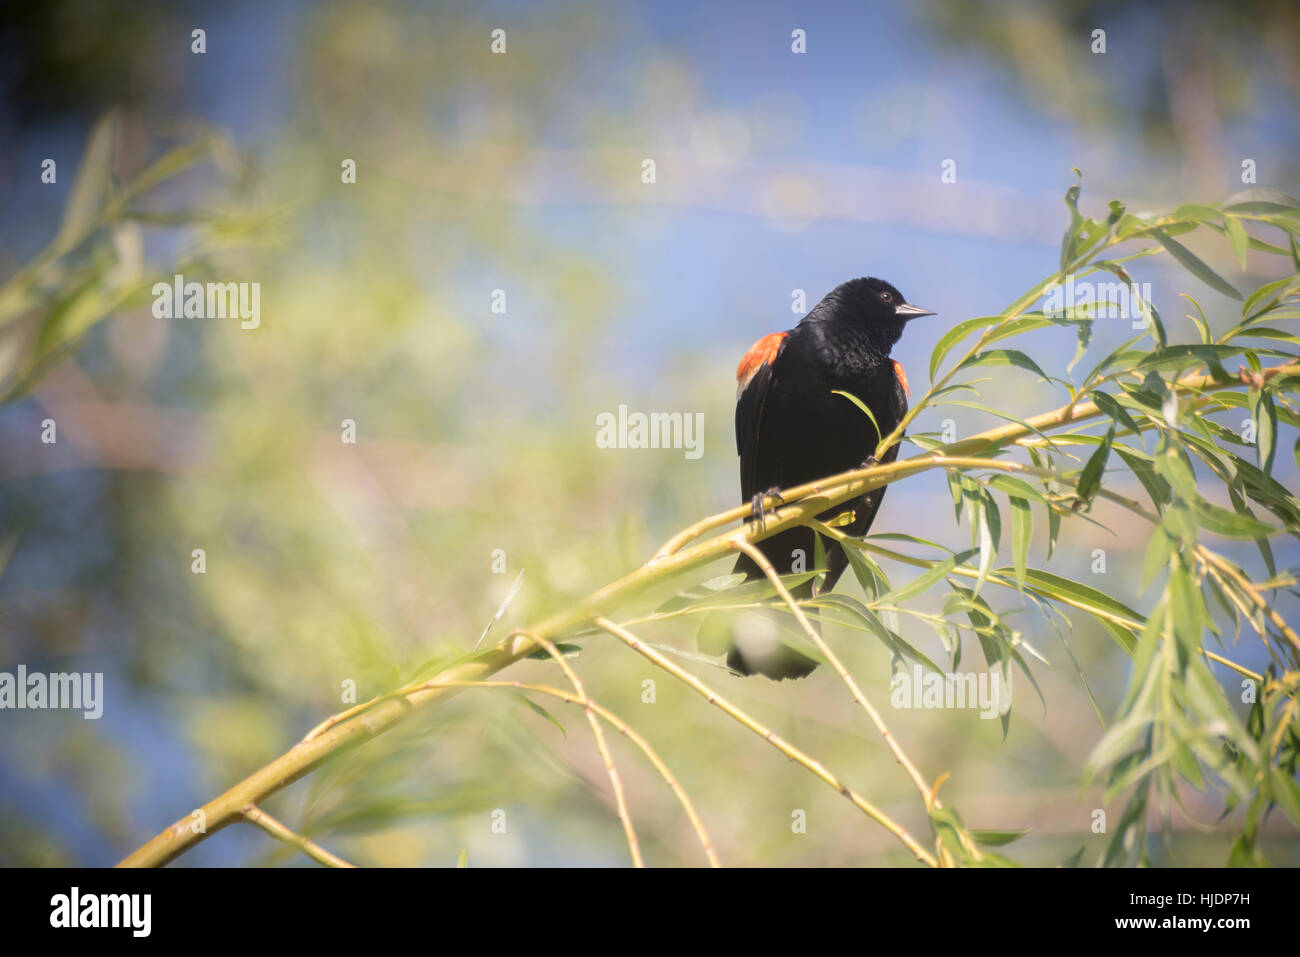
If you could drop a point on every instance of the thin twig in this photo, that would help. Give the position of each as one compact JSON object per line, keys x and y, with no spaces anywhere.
{"x":1244,"y":583}
{"x":899,"y":755}
{"x":624,"y":729}
{"x":620,"y":799}
{"x":621,"y":726}
{"x":1245,"y":611}
{"x":770,"y":736}
{"x":1245,"y":672}
{"x":279,"y":831}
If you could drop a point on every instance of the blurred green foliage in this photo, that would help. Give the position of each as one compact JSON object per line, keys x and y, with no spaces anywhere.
{"x":329,"y":563}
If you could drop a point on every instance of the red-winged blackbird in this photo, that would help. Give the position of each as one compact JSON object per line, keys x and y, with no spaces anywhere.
{"x":791,"y":428}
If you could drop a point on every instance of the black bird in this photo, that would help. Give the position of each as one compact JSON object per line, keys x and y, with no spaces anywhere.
{"x":791,"y":428}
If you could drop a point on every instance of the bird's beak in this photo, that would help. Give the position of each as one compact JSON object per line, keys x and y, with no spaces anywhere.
{"x":907,"y":312}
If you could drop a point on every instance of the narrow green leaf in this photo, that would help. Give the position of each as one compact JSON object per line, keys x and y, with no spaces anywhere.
{"x":1083,"y":338}
{"x":1266,"y":430}
{"x":1261,"y":199}
{"x":863,"y":407}
{"x":1000,"y":357}
{"x":91,"y":186}
{"x":536,"y":708}
{"x":1156,"y":557}
{"x":987,"y":545}
{"x":1238,"y":238}
{"x":1017,"y":488}
{"x":1187,"y":766}
{"x":923,"y":581}
{"x":1107,"y":403}
{"x":1070,"y":240}
{"x":998,"y":838}
{"x":1053,"y":529}
{"x":1090,"y":477}
{"x":1286,"y":794}
{"x":1194,"y":213}
{"x":1186,"y":607}
{"x":1115,"y":743}
{"x":1143,"y":467}
{"x":1194,"y":265}
{"x":1268,"y":294}
{"x":1122,"y":637}
{"x":1142,"y":677}
{"x":911,"y":539}
{"x":1081,"y":596}
{"x":1185,"y":355}
{"x":730,"y":590}
{"x":1174,"y":470}
{"x":1022,"y":530}
{"x":1229,"y":524}
{"x":891,"y":639}
{"x":1202,"y":326}
{"x":870,"y":575}
{"x":955,"y":335}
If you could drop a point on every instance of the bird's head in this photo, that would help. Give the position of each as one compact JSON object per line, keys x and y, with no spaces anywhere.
{"x":872,"y":304}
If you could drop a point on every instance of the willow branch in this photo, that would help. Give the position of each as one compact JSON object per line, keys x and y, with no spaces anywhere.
{"x":306,"y":756}
{"x":677,"y":556}
{"x":864,"y":480}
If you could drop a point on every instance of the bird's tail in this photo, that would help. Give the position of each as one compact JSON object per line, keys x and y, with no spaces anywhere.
{"x":754,"y":650}
{"x":772,"y":659}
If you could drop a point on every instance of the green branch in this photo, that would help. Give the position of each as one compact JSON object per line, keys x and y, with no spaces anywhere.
{"x":676,"y":557}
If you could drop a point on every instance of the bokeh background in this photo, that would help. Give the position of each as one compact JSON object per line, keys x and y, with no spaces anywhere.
{"x":326,"y":562}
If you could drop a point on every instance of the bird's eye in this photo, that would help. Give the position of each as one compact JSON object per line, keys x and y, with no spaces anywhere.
{"x":886,"y":297}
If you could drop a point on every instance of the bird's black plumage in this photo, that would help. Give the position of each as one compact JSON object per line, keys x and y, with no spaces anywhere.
{"x":791,"y":428}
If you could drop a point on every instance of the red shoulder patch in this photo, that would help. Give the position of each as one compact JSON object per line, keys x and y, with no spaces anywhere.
{"x":902,"y":378}
{"x":761,"y":352}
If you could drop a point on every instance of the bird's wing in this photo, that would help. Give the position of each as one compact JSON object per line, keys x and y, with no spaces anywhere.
{"x":900,"y":374}
{"x":753,"y":384}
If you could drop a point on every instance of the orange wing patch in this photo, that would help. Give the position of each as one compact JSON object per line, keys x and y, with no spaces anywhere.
{"x":902,"y":378}
{"x":761,"y":352}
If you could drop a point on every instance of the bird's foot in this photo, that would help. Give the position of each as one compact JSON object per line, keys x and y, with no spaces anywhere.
{"x":868,"y":462}
{"x":756,"y":506}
